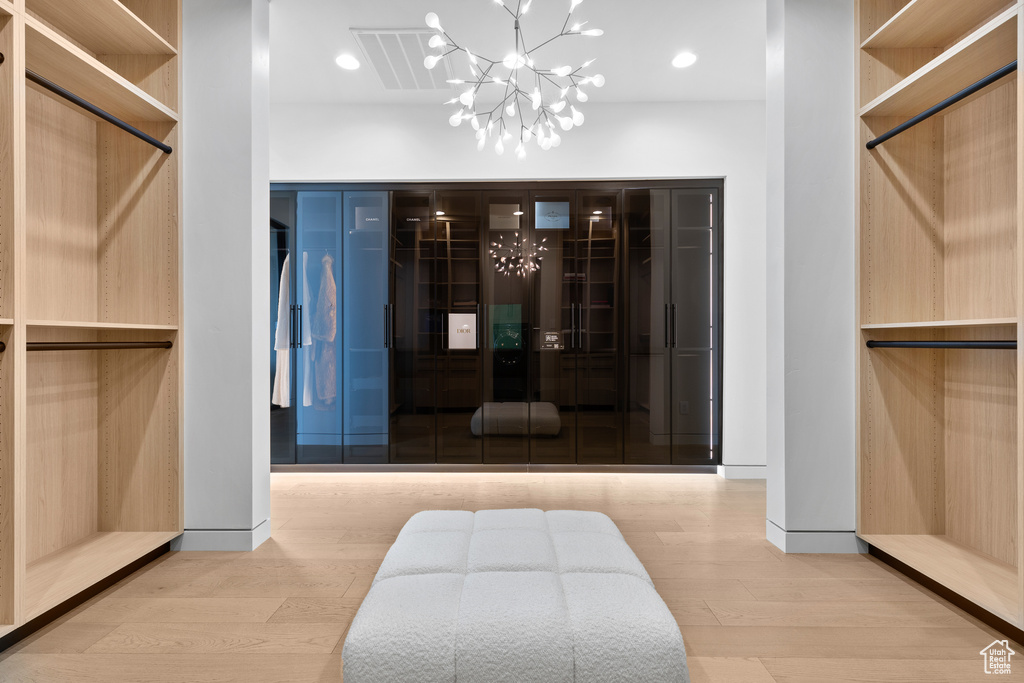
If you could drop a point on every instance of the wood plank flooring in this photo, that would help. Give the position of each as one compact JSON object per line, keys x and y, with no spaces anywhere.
{"x":748,"y":612}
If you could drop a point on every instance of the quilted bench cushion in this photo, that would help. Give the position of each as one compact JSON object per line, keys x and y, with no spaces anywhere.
{"x":516,"y":596}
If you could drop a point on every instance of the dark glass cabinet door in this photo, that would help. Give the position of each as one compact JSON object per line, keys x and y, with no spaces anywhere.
{"x":504,"y":425}
{"x":691,"y":325}
{"x":414,"y":329}
{"x":600,"y":415}
{"x":555,"y":337}
{"x":460,"y":359}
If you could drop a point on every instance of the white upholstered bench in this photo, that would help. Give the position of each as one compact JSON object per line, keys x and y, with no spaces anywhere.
{"x":513,"y":596}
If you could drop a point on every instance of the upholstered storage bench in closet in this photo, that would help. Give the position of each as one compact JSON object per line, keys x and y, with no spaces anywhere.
{"x":517,"y":596}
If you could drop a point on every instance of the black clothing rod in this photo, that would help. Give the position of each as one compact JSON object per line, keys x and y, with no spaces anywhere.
{"x":942,"y":344}
{"x":948,"y":102}
{"x":3,"y":347}
{"x":93,"y":109}
{"x":96,"y":346}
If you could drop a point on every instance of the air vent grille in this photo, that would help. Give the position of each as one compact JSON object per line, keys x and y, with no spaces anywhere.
{"x":396,"y":56}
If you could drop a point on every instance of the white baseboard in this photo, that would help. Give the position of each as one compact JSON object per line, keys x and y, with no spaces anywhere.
{"x":743,"y":471}
{"x":223,"y":539}
{"x":836,"y":542}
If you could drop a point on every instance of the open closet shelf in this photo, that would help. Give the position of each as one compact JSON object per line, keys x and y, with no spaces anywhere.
{"x":931,"y":23}
{"x":974,"y":575}
{"x":6,"y":321}
{"x":105,"y":27}
{"x":57,"y":59}
{"x":98,"y":326}
{"x":991,"y":47}
{"x":61,"y":575}
{"x":987,"y":322}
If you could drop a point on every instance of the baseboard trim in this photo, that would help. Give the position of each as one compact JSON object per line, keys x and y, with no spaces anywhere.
{"x":743,"y":471}
{"x":566,"y":469}
{"x":92,"y":591}
{"x":223,"y":539}
{"x":832,"y":542}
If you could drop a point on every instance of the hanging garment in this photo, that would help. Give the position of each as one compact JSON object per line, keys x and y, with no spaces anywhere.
{"x":282,"y":393}
{"x":325,"y":327}
{"x":306,"y":335}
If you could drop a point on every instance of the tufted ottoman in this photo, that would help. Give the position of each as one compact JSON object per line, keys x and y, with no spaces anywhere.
{"x":516,"y":596}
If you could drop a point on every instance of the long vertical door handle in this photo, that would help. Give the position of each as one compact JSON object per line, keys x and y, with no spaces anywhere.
{"x":666,"y":326}
{"x":387,"y":335}
{"x":673,"y":326}
{"x":300,"y":325}
{"x":479,"y":325}
{"x":291,"y":326}
{"x":391,"y":325}
{"x":572,"y":326}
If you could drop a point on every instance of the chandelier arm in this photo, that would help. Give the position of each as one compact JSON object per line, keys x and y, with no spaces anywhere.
{"x":546,"y":42}
{"x":507,"y":9}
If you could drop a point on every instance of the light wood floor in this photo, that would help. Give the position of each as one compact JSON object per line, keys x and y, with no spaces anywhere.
{"x":748,"y":612}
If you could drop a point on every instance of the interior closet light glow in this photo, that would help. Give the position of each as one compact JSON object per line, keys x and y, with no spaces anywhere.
{"x":347,"y":62}
{"x":517,"y":213}
{"x":684,"y":59}
{"x":521,"y":82}
{"x":439,"y":213}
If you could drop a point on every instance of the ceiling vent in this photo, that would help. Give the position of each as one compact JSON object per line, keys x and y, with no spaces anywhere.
{"x":397,"y":58}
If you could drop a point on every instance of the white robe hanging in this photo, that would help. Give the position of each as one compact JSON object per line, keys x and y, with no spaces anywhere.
{"x":281,"y":395}
{"x":307,"y":337}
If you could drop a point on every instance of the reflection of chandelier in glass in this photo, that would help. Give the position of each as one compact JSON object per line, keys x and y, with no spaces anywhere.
{"x":524,"y":82}
{"x":514,"y":258}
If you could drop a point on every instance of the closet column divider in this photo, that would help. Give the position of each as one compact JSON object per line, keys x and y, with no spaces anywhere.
{"x":16,"y":310}
{"x":1020,"y":323}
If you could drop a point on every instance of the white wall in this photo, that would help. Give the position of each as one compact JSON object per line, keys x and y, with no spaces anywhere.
{"x":811,"y":383}
{"x":685,"y":140}
{"x":226,"y":196}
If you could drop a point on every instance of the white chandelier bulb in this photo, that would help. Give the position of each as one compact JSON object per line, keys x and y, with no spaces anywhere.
{"x":513,"y":60}
{"x":430,"y":61}
{"x":564,"y":121}
{"x":467,"y":97}
{"x":536,"y":99}
{"x":474,"y":123}
{"x":499,"y":147}
{"x":545,"y":144}
{"x":598,"y":81}
{"x":511,"y":109}
{"x":526,"y":7}
{"x":507,"y":136}
{"x":575,"y":3}
{"x":456,"y":118}
{"x":592,"y":32}
{"x":577,"y":116}
{"x":562,"y":71}
{"x":556,"y":139}
{"x":472,"y":60}
{"x":481,"y":144}
{"x":433,"y":21}
{"x":581,"y":96}
{"x":558,"y":106}
{"x":520,"y":152}
{"x":527,"y":135}
{"x":436,"y":41}
{"x":481,"y":133}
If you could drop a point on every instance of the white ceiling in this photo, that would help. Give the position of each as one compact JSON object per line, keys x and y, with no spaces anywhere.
{"x":641,"y":38}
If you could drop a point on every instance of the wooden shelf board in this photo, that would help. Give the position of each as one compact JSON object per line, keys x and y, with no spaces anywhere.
{"x":988,"y":49}
{"x":931,"y":23}
{"x":61,"y":575}
{"x":978,"y":577}
{"x":104,"y":26}
{"x":984,"y":322}
{"x":99,"y":326}
{"x":6,"y":8}
{"x":6,"y":321}
{"x":54,"y":58}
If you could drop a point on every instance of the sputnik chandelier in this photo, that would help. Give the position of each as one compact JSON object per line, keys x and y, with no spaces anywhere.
{"x":516,"y":258}
{"x":544,"y":90}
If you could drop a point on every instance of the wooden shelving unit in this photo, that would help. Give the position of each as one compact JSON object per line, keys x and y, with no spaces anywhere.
{"x":940,"y":460}
{"x":90,"y":439}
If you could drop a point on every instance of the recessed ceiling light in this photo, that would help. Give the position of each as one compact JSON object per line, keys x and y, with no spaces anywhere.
{"x":517,"y":213}
{"x":347,"y":62}
{"x":597,"y":213}
{"x":684,"y":59}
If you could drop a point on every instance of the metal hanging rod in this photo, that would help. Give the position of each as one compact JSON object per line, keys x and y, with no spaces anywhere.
{"x":93,"y":109}
{"x":96,"y":346}
{"x":948,"y":102}
{"x":3,"y":347}
{"x":942,"y":344}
